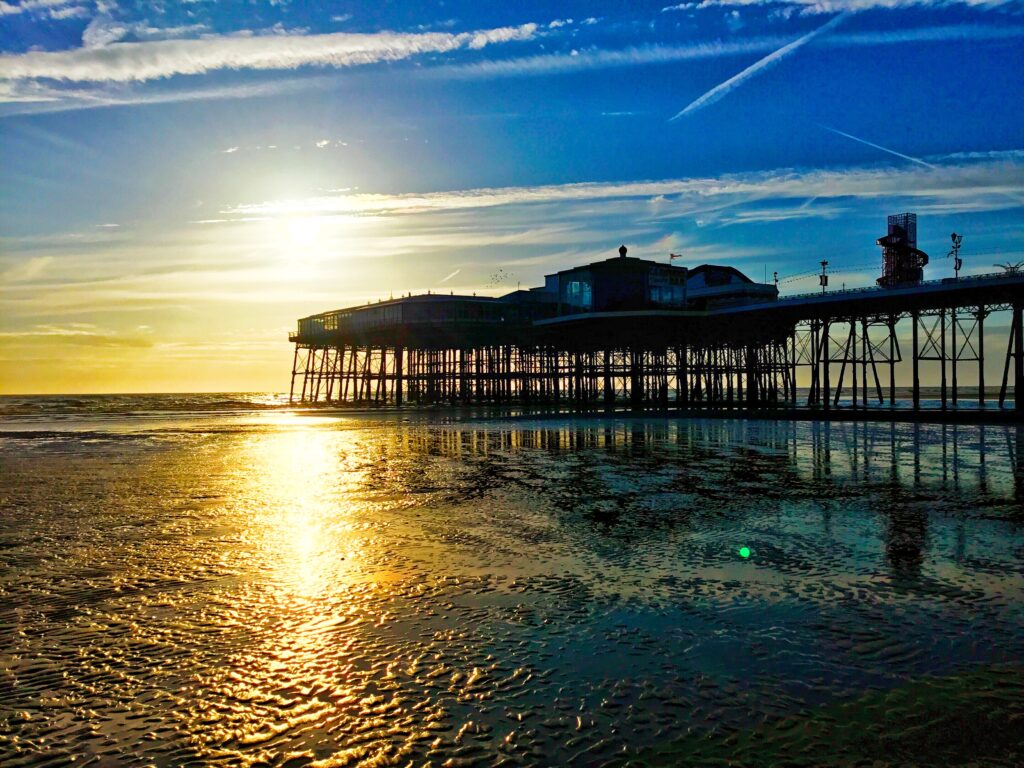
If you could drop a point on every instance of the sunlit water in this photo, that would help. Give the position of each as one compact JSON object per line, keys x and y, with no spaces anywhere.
{"x":187,"y":585}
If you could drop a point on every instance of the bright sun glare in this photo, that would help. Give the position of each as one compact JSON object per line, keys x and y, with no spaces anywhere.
{"x":302,"y":230}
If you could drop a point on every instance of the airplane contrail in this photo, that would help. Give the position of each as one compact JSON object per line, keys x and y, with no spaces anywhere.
{"x":1011,"y":195}
{"x":453,"y":274}
{"x":912,"y":159}
{"x":760,"y":65}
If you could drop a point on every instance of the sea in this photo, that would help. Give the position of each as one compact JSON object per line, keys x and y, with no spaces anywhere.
{"x":192,"y":580}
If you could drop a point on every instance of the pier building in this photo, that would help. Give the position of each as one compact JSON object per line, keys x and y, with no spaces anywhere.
{"x":632,"y":332}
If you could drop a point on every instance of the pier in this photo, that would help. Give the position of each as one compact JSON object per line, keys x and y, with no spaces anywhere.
{"x":648,"y":336}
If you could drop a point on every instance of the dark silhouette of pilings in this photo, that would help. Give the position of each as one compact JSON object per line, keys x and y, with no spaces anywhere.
{"x":849,"y":361}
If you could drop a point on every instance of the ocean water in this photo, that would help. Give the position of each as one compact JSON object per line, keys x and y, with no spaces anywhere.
{"x":220,"y":580}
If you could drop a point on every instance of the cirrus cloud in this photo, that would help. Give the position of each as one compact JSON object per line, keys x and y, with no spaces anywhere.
{"x":152,"y":60}
{"x":992,"y":182}
{"x":837,"y":6}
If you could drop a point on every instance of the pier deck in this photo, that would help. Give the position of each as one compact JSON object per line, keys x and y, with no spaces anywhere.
{"x":845,"y":347}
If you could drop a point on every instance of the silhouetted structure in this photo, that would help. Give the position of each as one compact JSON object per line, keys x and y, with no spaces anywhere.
{"x":654,"y":335}
{"x":902,"y":262}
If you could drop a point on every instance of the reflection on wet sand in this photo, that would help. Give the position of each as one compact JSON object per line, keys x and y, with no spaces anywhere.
{"x":379,"y":589}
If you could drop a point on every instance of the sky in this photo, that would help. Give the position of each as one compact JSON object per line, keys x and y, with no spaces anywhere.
{"x":182,"y":180}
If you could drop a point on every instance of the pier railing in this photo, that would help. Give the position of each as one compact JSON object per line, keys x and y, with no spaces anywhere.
{"x":945,"y":281}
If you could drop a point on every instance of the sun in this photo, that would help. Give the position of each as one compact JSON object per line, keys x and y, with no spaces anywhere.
{"x":303,"y":231}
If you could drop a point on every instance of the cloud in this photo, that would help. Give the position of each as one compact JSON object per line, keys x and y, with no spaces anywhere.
{"x":27,"y":270}
{"x":26,"y":93}
{"x":70,"y":12}
{"x":841,"y":6}
{"x":984,"y":182}
{"x":120,"y":62}
{"x":935,"y":34}
{"x":543,"y":64}
{"x":29,"y":97}
{"x":1012,"y":195}
{"x":773,"y":58}
{"x":81,"y":333}
{"x":103,"y":30}
{"x":603,"y":58}
{"x":26,"y":6}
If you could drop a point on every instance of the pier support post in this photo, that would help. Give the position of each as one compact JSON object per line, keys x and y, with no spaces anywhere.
{"x":609,"y":389}
{"x":825,"y":360}
{"x":942,"y":354}
{"x":399,"y":370}
{"x":851,"y":351}
{"x":956,"y":355}
{"x":1018,"y":363}
{"x":814,"y":395}
{"x":636,"y":386}
{"x":865,"y":353}
{"x":915,"y":356}
{"x":792,"y":370}
{"x":892,"y":362}
{"x":981,"y":356}
{"x":310,"y":362}
{"x":751,"y":374}
{"x":295,"y":361}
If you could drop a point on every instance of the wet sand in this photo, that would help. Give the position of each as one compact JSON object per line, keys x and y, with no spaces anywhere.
{"x":272,"y":588}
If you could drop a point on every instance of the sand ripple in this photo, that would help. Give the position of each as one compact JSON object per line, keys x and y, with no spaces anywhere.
{"x":379,"y":591}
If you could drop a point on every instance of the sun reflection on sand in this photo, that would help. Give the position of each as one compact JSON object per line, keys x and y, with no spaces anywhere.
{"x":300,"y":587}
{"x":302,"y":543}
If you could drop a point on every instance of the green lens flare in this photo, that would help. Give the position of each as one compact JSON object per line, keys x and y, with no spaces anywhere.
{"x":744,"y":552}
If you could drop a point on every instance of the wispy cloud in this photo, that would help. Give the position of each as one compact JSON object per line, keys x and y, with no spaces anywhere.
{"x":103,"y":30}
{"x":935,"y":34}
{"x":27,"y":6}
{"x":603,"y":58}
{"x":81,"y":333}
{"x":773,"y":58}
{"x":964,"y":181}
{"x":26,"y":270}
{"x":576,"y":61}
{"x":134,"y":62}
{"x":1013,"y":195}
{"x":839,"y":6}
{"x":20,"y":95}
{"x":30,"y":97}
{"x":69,"y":12}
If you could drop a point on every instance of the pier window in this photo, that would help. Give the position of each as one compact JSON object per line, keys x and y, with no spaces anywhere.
{"x":578,"y":294}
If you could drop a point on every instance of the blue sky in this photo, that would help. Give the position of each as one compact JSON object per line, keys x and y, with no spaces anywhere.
{"x":184,"y":179}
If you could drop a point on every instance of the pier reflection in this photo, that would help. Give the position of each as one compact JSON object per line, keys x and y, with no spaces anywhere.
{"x":625,"y":478}
{"x":908,"y":455}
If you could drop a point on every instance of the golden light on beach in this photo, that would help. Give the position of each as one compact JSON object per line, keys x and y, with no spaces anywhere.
{"x":475,"y":383}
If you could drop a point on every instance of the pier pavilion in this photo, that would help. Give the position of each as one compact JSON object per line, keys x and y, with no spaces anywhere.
{"x":649,"y":335}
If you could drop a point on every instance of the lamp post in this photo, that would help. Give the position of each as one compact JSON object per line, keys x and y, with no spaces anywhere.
{"x":955,"y":253}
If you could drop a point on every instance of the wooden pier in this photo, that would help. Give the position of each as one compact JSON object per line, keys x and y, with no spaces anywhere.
{"x":706,"y":341}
